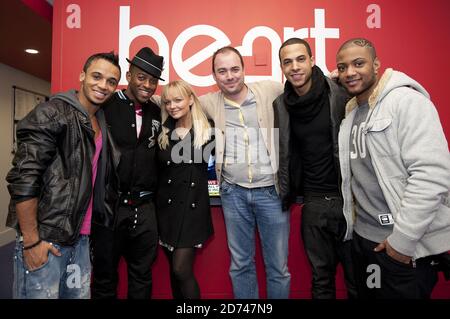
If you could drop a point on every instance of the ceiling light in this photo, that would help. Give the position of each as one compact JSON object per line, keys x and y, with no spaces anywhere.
{"x":31,"y":51}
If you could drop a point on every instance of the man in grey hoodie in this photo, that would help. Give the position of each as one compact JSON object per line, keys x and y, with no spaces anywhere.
{"x":62,"y":179}
{"x":395,"y":168}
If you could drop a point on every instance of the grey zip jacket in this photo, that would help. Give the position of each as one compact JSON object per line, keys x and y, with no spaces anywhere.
{"x":411,"y":160}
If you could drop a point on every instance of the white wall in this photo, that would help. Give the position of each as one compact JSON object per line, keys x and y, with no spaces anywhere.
{"x":9,"y":77}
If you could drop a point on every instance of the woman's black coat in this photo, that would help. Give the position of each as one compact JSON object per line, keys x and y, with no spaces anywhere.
{"x":184,"y":217}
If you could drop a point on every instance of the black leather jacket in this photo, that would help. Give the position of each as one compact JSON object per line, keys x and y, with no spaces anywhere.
{"x":53,"y":163}
{"x":289,"y":169}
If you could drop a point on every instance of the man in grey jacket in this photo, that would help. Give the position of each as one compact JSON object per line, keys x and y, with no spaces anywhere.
{"x":395,"y":168}
{"x":246,"y":170}
{"x":308,"y":115}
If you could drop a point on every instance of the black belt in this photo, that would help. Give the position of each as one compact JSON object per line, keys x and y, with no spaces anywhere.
{"x":135,"y":198}
{"x":324,"y":195}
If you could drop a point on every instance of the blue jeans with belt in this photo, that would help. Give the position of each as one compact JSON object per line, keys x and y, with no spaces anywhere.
{"x":62,"y":277}
{"x":245,"y":209}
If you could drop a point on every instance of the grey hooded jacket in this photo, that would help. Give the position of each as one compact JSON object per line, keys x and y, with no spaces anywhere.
{"x":411,"y":160}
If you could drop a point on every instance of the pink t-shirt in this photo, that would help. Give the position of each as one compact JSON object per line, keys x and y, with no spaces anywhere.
{"x":86,"y":227}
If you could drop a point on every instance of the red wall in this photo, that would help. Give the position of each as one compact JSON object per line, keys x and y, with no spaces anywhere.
{"x":413,"y":36}
{"x":410,"y":36}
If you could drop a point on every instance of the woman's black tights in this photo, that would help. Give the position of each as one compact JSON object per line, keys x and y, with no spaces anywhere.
{"x":182,"y":279}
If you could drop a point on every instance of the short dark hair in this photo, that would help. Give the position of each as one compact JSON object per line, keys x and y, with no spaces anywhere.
{"x":108,"y":56}
{"x":224,"y":50}
{"x":295,"y":41}
{"x":361,"y":42}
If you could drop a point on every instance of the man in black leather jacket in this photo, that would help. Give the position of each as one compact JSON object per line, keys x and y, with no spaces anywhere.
{"x":308,"y":115}
{"x":62,"y":179}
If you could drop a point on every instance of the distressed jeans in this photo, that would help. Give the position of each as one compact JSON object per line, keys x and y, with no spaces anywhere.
{"x":62,"y":277}
{"x":245,"y":209}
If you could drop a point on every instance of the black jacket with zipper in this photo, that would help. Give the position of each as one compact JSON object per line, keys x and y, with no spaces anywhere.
{"x":53,"y":163}
{"x":289,"y":167}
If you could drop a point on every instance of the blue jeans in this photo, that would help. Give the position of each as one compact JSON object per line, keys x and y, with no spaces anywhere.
{"x":244,"y":209}
{"x":62,"y":277}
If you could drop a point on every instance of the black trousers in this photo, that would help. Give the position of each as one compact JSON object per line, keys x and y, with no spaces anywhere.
{"x":379,"y":276}
{"x":323,"y":229}
{"x":135,"y":237}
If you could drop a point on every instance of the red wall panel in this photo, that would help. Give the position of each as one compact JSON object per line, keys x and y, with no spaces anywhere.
{"x":410,"y":36}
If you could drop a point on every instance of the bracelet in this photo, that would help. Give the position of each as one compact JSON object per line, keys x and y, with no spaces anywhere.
{"x":33,"y":245}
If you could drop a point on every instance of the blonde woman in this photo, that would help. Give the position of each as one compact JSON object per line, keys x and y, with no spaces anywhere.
{"x":183,"y":212}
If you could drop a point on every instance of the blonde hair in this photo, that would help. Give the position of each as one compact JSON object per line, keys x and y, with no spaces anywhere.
{"x":200,"y":123}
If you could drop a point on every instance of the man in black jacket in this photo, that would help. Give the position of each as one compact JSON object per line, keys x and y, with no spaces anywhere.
{"x":61,"y":173}
{"x":308,"y":115}
{"x":135,"y":124}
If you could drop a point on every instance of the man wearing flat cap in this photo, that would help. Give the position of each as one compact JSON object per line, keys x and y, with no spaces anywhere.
{"x":135,"y":124}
